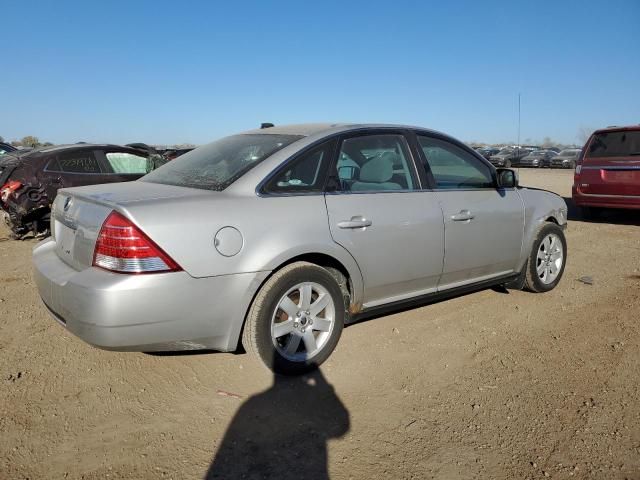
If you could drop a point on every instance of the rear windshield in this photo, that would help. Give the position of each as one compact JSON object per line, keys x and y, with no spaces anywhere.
{"x":615,"y":144}
{"x":217,"y":165}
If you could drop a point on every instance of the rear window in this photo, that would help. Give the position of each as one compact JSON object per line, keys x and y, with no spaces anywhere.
{"x":128,"y":163}
{"x":614,"y":144}
{"x":217,"y":165}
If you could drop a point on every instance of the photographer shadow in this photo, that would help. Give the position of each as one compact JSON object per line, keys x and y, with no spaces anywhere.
{"x":282,"y":433}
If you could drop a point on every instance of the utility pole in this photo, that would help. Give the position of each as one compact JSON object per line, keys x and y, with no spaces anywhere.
{"x":518,"y":119}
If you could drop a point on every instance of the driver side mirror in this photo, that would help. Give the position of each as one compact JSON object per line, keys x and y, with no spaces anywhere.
{"x":507,"y":178}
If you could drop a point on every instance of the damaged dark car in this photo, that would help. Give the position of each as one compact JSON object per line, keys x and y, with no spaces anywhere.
{"x":29,"y":181}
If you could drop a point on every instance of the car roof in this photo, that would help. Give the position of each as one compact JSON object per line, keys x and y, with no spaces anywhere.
{"x":628,"y":128}
{"x":56,"y":148}
{"x":309,"y":129}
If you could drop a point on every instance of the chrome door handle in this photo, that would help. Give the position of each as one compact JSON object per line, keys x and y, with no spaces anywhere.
{"x":463,"y":216}
{"x":357,"y":221}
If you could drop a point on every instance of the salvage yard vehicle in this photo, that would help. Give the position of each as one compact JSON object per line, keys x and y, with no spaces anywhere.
{"x":538,"y":158}
{"x":29,"y":181}
{"x":281,"y":236}
{"x":567,"y":158}
{"x":608,"y":172}
{"x":487,"y":152}
{"x":509,"y":156}
{"x":6,"y":148}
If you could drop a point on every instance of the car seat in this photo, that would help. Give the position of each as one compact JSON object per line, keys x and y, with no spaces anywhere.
{"x":376,"y":173}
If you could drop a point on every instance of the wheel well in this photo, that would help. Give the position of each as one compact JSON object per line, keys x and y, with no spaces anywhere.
{"x":334,"y":266}
{"x":553,"y":220}
{"x":322,"y":260}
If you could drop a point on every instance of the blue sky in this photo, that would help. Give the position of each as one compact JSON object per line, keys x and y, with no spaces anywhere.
{"x":173,"y":72}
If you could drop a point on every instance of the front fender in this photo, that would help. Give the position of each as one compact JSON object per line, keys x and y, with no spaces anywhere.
{"x":540,"y":206}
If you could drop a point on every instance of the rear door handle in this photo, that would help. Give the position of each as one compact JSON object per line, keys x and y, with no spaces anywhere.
{"x":357,"y":221}
{"x":463,"y":216}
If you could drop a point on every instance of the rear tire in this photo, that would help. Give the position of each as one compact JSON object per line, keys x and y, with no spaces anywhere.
{"x":547,"y":259}
{"x":296,"y":319}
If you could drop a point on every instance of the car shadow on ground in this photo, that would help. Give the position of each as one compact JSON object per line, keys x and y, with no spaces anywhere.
{"x":606,"y":215}
{"x":282,"y":432}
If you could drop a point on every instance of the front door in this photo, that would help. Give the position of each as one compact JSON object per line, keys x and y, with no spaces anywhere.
{"x":483,"y":225}
{"x":379,"y":214}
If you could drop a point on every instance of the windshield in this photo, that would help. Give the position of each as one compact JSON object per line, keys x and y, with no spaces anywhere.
{"x":569,"y":153}
{"x":615,"y":144}
{"x":505,"y":151}
{"x":216,"y":165}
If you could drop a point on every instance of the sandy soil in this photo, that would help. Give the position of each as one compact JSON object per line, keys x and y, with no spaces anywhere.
{"x":490,"y":385}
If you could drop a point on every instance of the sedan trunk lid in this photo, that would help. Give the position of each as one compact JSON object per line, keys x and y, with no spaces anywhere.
{"x":78,"y":213}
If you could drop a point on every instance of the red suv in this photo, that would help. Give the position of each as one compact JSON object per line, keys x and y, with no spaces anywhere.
{"x":608,"y":171}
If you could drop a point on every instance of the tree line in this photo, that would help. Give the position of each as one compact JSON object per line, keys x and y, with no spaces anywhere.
{"x":28,"y":141}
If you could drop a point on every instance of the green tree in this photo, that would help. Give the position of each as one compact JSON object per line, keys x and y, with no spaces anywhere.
{"x":30,"y":141}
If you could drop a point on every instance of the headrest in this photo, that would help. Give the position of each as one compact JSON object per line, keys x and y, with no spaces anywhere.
{"x":379,"y":169}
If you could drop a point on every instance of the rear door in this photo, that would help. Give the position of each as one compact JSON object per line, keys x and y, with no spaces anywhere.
{"x":72,"y":168}
{"x":483,"y":225}
{"x":611,"y":164}
{"x":379,"y":213}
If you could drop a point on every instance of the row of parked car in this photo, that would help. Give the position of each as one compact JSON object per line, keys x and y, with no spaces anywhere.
{"x":31,"y":177}
{"x":529,"y":156}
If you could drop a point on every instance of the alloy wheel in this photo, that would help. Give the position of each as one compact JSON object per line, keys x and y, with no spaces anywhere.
{"x":303,"y":321}
{"x":549,"y":258}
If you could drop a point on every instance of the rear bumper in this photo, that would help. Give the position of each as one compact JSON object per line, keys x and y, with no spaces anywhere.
{"x":155,"y":312}
{"x":605,"y":201}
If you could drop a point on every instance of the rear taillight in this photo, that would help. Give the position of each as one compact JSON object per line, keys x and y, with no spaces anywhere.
{"x":122,"y":247}
{"x":8,"y":189}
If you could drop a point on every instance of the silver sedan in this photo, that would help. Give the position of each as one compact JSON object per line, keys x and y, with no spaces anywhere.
{"x":278,"y":237}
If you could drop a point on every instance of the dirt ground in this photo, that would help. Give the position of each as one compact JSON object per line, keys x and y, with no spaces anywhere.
{"x":489,"y":385}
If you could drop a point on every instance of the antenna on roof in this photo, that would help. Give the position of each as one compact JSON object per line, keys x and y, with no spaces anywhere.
{"x":266,"y":125}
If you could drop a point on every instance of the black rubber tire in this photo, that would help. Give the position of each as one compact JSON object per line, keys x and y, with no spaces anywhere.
{"x":532,"y":282}
{"x":256,"y":337}
{"x":507,"y":164}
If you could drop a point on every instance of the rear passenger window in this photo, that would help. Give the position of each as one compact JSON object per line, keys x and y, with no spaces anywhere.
{"x":75,"y":162}
{"x":304,"y":174}
{"x":374,"y":163}
{"x":454,"y":168}
{"x":128,"y":163}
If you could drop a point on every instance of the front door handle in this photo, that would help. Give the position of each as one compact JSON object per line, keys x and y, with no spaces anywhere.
{"x":463,"y":216}
{"x":357,"y":221}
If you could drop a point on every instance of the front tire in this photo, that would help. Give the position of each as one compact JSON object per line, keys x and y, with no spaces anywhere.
{"x":507,"y":164}
{"x":547,"y":259}
{"x":296,"y":319}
